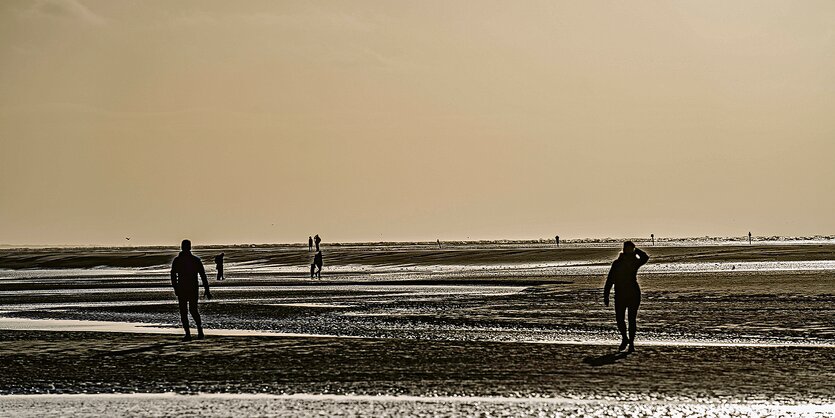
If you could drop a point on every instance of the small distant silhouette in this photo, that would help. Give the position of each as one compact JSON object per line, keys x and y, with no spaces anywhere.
{"x":184,"y":270}
{"x":653,"y":238}
{"x":316,"y":266}
{"x":309,"y":243}
{"x":749,"y":238}
{"x":439,"y":244}
{"x":557,"y":239}
{"x":624,"y":277}
{"x":219,"y":265}
{"x":317,"y":240}
{"x":127,"y":238}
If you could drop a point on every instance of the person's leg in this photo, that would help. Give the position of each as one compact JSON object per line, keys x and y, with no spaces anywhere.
{"x":312,"y":269}
{"x":192,"y":306}
{"x":633,"y":323}
{"x":184,"y":315}
{"x":620,"y":316}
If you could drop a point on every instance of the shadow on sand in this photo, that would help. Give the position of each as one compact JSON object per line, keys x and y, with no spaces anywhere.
{"x":605,"y":359}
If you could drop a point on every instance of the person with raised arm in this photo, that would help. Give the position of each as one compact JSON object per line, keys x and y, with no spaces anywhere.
{"x":624,"y":277}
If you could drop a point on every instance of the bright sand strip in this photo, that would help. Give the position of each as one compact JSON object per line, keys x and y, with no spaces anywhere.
{"x":318,"y":404}
{"x":26,"y":324}
{"x":59,"y":325}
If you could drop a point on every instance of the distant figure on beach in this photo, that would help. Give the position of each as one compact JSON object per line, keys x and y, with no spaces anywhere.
{"x":309,"y":243}
{"x":652,"y":236}
{"x":749,"y":237}
{"x":557,"y":239}
{"x":219,"y":266}
{"x":624,"y":277}
{"x":184,"y":271}
{"x":317,"y":240}
{"x":316,"y":266}
{"x":439,"y":244}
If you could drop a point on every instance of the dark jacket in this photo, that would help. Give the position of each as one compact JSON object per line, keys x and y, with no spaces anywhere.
{"x":317,"y":259}
{"x":184,"y":271}
{"x":624,"y":276}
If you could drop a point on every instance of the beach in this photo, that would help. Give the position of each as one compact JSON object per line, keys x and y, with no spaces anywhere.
{"x":412,"y":208}
{"x":502,"y":328}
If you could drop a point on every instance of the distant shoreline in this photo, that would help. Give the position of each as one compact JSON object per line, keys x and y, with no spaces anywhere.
{"x":426,"y":254}
{"x":659,"y":241}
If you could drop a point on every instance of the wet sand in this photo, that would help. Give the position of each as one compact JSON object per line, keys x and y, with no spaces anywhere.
{"x":82,"y":362}
{"x":724,"y":326}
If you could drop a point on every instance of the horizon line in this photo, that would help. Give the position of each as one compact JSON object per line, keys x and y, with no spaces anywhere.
{"x":587,"y":240}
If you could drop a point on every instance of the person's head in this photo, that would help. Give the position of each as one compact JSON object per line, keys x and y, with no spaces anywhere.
{"x":186,"y":245}
{"x":628,"y":247}
{"x":221,"y":254}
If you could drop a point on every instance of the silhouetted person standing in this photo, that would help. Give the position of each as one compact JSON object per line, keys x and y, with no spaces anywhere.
{"x":219,"y":266}
{"x":749,"y":238}
{"x":652,"y":236}
{"x":317,"y":240}
{"x":184,"y":271}
{"x":557,"y":239}
{"x":317,"y":264}
{"x":624,"y":276}
{"x":309,"y":243}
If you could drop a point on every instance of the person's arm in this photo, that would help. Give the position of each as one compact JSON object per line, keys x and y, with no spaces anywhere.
{"x":174,"y":276}
{"x":642,"y":257}
{"x":610,"y":281}
{"x":205,"y":279}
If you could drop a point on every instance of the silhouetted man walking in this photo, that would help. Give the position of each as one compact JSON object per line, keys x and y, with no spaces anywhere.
{"x":624,"y":276}
{"x":184,"y":271}
{"x":317,"y":240}
{"x":309,"y":243}
{"x":219,"y":266}
{"x":317,"y":264}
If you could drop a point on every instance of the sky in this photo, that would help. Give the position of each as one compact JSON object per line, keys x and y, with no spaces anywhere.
{"x":264,"y":121}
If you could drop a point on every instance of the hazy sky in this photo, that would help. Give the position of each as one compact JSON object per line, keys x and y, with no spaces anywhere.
{"x":230,"y":122}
